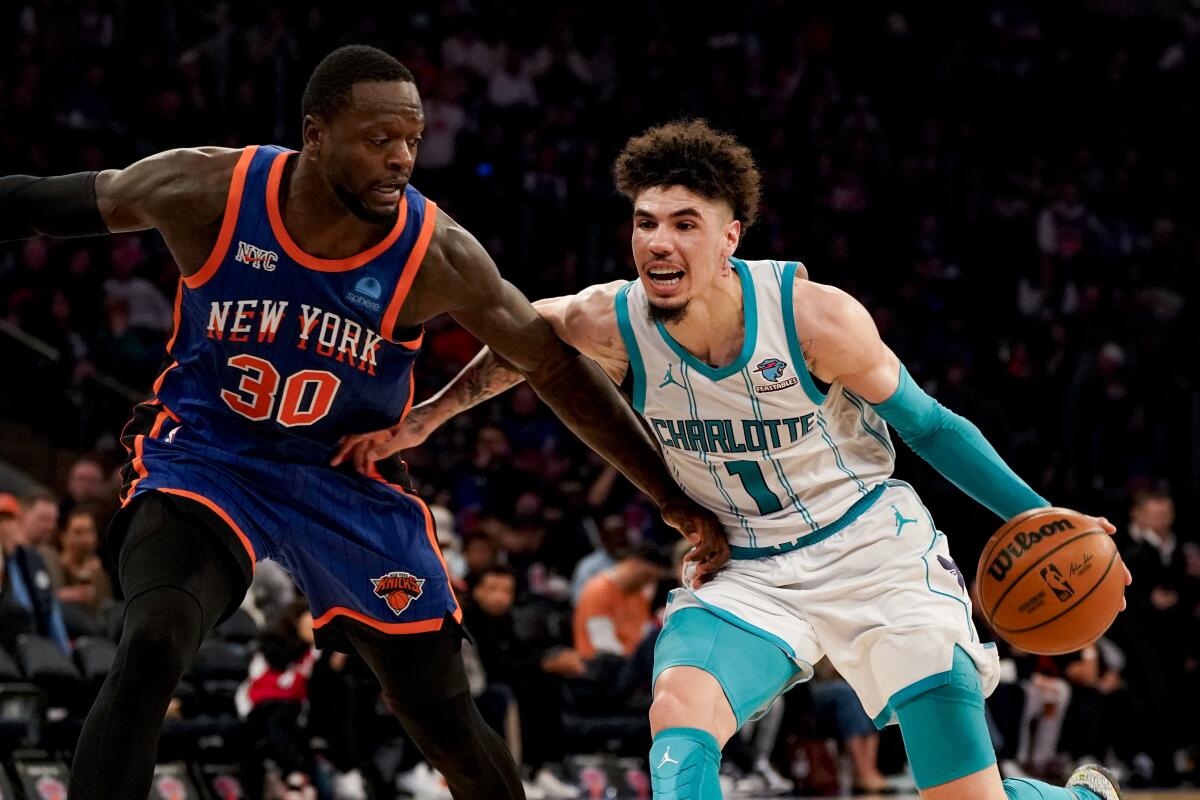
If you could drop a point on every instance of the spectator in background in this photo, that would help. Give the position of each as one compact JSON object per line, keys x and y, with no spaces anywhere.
{"x":450,"y":544}
{"x":613,"y":614}
{"x":120,"y":350}
{"x":75,"y":567}
{"x":85,"y":483}
{"x":1103,"y":724}
{"x":15,"y":618}
{"x":510,"y":84}
{"x":445,"y":119}
{"x":480,"y":552}
{"x":274,"y":700}
{"x":533,"y":676}
{"x":26,"y":579}
{"x":839,"y":711}
{"x":1152,"y":629}
{"x":149,"y":312}
{"x":39,"y":518}
{"x":613,"y":535}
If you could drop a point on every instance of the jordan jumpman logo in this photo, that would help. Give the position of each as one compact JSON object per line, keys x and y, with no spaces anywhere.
{"x":666,"y":759}
{"x":669,"y":379}
{"x":901,"y":520}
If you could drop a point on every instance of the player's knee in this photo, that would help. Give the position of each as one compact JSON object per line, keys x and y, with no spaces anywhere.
{"x":688,"y":697}
{"x":163,"y":627}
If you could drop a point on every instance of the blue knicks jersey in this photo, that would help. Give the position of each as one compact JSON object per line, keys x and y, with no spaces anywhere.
{"x":277,"y":354}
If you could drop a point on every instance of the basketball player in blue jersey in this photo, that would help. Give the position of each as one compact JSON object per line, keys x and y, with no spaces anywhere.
{"x":830,"y":555}
{"x":305,"y":280}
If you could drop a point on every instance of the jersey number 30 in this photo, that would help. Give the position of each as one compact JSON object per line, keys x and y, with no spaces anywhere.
{"x":256,"y":392}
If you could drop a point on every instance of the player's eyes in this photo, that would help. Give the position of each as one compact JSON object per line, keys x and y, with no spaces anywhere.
{"x":685,"y":226}
{"x":645,"y":224}
{"x":378,"y":141}
{"x":414,"y":142}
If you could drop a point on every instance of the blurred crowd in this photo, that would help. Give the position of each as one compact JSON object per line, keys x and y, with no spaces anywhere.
{"x":1002,"y":183}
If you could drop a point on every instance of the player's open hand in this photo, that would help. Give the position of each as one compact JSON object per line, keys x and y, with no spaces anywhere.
{"x":1110,"y":529}
{"x":364,"y":449}
{"x":710,"y":548}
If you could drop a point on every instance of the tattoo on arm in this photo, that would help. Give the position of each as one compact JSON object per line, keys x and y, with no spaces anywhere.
{"x":485,"y":377}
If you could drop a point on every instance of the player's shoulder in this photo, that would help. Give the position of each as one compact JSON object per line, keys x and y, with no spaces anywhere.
{"x":830,"y":320}
{"x":599,"y":297}
{"x":206,"y":166}
{"x":178,"y":189}
{"x":587,"y":314}
{"x":812,"y":300}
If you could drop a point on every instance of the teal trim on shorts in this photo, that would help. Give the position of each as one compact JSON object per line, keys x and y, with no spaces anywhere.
{"x":944,"y":724}
{"x":860,"y":507}
{"x":926,"y":684}
{"x":793,"y":340}
{"x":754,"y":667}
{"x":621,"y":301}
{"x":750,"y":334}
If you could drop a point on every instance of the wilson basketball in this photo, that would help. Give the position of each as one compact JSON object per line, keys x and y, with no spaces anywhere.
{"x":1050,"y":581}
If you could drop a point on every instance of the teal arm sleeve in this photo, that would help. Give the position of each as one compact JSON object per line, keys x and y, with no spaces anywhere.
{"x":955,"y":447}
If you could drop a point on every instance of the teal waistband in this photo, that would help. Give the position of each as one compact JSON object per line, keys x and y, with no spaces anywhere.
{"x":821,"y":534}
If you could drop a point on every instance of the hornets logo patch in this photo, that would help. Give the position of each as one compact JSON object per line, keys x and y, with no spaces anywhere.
{"x":398,"y":590}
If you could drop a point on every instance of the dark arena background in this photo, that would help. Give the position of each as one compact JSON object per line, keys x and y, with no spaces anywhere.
{"x":1009,"y":187}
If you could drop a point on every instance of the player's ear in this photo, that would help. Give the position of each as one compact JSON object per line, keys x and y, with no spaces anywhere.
{"x":733,"y":237}
{"x":314,"y":132}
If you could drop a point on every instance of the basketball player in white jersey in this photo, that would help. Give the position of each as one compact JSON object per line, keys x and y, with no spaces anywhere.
{"x":830,"y":555}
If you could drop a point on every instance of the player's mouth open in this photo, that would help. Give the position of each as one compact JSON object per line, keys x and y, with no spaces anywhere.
{"x":665,"y":277}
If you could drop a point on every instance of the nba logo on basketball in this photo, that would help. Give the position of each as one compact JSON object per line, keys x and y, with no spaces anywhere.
{"x":398,"y":589}
{"x":1055,"y":580}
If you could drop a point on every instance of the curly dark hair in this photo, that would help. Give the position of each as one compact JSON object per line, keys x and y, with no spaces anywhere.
{"x":689,"y":153}
{"x":330,"y":83}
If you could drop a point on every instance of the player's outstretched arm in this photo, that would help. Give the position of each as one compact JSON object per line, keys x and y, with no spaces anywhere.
{"x":180,"y":192}
{"x":586,"y":321}
{"x":844,"y":345}
{"x":573,"y":385}
{"x":841,"y":343}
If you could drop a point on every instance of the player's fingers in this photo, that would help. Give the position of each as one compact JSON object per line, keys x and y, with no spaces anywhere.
{"x":346,"y":445}
{"x":1108,"y":527}
{"x":1128,"y":574}
{"x":362,"y":461}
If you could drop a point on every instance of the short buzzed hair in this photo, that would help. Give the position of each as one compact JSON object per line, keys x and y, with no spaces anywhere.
{"x":329,"y":85}
{"x":691,"y":154}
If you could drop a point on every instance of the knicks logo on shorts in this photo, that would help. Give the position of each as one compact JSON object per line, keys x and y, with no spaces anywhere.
{"x":398,"y":589}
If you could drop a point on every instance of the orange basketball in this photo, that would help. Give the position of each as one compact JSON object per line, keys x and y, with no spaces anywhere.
{"x":1050,"y":581}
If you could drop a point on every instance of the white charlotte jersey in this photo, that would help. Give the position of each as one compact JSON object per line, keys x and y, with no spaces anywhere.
{"x":756,"y":441}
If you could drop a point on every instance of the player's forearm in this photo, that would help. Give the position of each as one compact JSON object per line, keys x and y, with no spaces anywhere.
{"x":956,"y":448}
{"x":590,"y":405}
{"x":62,"y":206}
{"x":486,"y":376}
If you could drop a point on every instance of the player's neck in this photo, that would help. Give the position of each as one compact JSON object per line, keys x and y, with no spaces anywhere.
{"x":714,"y":328}
{"x":316,"y":219}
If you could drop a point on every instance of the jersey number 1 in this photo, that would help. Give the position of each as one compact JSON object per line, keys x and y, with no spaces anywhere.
{"x":255,"y":395}
{"x":755,"y":485}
